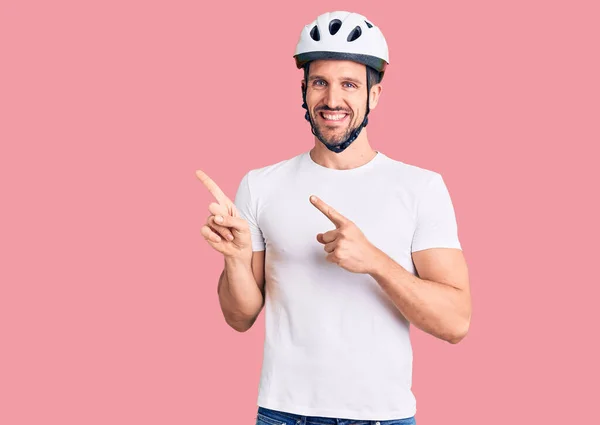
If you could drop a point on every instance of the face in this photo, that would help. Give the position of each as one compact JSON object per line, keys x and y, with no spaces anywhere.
{"x":336,"y":96}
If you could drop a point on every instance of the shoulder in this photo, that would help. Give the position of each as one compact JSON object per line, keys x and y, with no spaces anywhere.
{"x":263,"y":177}
{"x":409,"y":174}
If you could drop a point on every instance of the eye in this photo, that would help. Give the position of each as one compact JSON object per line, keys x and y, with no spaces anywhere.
{"x":351,"y":85}
{"x":318,"y":82}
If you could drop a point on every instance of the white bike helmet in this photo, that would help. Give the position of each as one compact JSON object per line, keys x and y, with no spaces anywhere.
{"x":342,"y":35}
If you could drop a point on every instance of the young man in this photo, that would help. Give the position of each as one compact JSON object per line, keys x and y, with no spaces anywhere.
{"x":344,"y":246}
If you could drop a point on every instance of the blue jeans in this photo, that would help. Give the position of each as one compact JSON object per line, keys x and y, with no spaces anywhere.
{"x":274,"y":417}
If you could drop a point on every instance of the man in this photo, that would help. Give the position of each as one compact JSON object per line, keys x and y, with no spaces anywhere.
{"x":344,"y":246}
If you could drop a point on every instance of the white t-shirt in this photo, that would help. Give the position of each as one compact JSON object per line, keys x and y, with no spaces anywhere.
{"x":335,"y":344}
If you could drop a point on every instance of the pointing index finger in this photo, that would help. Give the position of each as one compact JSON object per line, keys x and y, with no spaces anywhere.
{"x":213,"y":188}
{"x":335,"y":217}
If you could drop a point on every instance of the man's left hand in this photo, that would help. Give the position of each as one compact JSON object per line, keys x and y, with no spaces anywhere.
{"x":346,"y":245}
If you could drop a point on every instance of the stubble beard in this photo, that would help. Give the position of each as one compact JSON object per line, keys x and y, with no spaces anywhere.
{"x":335,"y":139}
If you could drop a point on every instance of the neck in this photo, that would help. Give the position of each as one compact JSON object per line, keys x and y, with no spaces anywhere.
{"x":357,"y":154}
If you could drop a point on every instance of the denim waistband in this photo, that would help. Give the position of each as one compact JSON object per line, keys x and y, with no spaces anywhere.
{"x":276,"y":417}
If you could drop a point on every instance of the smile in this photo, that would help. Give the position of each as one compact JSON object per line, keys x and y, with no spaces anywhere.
{"x":333,"y":117}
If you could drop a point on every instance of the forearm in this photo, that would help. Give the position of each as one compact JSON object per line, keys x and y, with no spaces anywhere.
{"x":240,"y":298}
{"x":433,"y":307}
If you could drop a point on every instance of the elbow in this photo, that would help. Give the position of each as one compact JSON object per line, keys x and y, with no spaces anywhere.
{"x":241,"y":326}
{"x":240,"y":329}
{"x":460,"y":333}
{"x":461,"y":327}
{"x":456,"y":339}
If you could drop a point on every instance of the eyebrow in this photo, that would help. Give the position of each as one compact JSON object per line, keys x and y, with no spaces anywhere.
{"x":320,"y":77}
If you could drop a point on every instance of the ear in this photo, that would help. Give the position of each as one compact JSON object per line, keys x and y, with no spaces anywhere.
{"x":302,"y":83}
{"x":374,"y":95}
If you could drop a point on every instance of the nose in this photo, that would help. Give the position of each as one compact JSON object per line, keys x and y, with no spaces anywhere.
{"x":333,"y":97}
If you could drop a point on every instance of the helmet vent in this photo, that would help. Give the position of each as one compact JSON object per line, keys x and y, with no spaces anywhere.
{"x":370,"y":25}
{"x":354,"y":34}
{"x":334,"y":26}
{"x":314,"y":33}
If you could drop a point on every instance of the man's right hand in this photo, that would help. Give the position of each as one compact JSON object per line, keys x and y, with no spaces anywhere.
{"x":230,"y":236}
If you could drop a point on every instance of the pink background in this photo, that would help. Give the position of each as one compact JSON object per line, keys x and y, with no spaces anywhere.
{"x":108,"y":305}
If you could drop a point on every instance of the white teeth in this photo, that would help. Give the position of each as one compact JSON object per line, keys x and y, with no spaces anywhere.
{"x":334,"y":117}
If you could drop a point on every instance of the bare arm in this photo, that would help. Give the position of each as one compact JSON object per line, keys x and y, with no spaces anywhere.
{"x":241,"y":290}
{"x":439,"y":302}
{"x":241,"y":284}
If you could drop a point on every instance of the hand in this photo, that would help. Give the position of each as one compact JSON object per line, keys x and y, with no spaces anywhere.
{"x":346,"y":245}
{"x":225,"y":230}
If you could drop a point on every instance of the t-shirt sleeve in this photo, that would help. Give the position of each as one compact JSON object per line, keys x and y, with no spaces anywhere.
{"x":247,"y":208}
{"x":436,"y":221}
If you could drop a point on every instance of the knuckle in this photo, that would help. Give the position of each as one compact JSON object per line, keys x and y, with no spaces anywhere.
{"x":205,"y":232}
{"x":230,"y":208}
{"x":215,"y":209}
